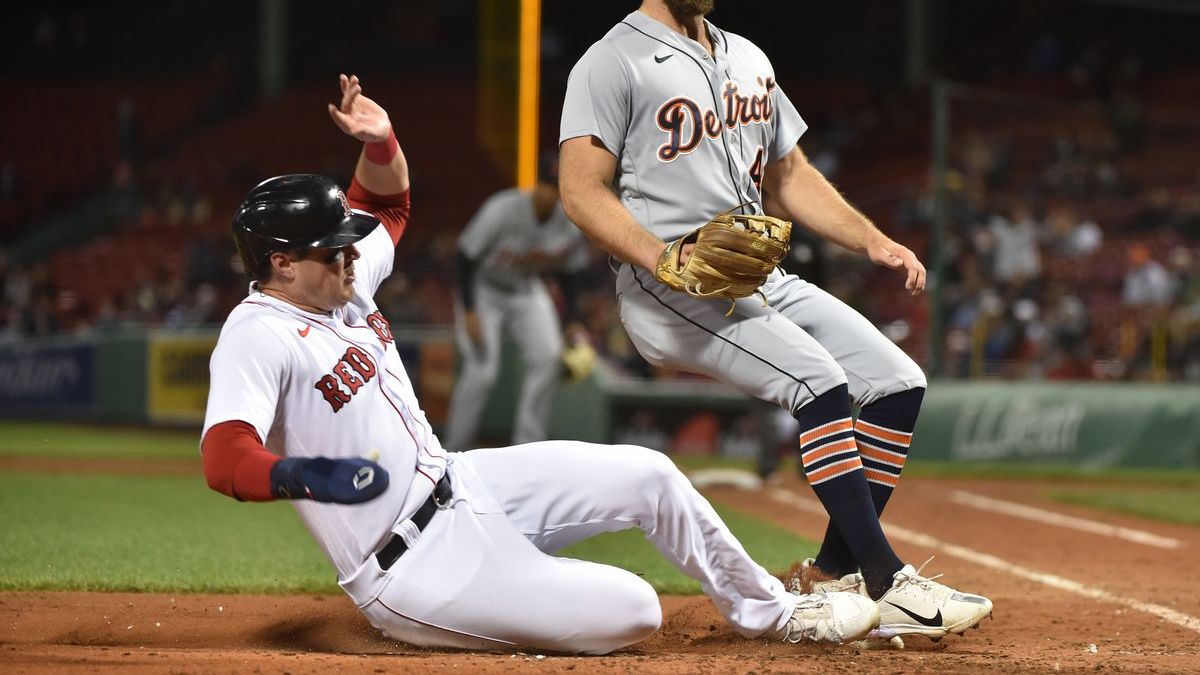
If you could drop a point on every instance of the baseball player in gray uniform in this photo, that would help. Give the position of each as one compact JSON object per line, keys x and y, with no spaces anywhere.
{"x":691,"y":122}
{"x":516,"y":236}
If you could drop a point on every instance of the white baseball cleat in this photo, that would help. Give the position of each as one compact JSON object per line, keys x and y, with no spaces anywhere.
{"x":831,"y":617}
{"x":850,"y":583}
{"x":916,"y":605}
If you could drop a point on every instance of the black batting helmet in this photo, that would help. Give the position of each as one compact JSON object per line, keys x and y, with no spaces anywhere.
{"x":295,"y":211}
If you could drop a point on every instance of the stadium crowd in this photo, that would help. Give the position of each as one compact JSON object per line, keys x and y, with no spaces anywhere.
{"x":1073,"y":224}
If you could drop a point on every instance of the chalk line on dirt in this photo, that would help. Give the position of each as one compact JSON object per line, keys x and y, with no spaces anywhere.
{"x":1035,"y":514}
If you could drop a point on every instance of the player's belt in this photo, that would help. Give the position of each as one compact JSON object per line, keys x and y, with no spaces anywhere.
{"x":438,"y":499}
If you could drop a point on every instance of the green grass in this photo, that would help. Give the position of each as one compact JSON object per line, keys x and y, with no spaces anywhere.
{"x":136,"y":533}
{"x":141,"y":533}
{"x":1168,"y":505}
{"x":82,"y":440}
{"x":148,"y":533}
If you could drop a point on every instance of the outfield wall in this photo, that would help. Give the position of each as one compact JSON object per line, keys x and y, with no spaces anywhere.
{"x":162,"y":377}
{"x":1087,"y":425}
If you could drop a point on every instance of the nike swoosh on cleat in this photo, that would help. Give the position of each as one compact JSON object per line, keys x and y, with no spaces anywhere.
{"x":660,"y":59}
{"x":934,"y":621}
{"x":304,"y":331}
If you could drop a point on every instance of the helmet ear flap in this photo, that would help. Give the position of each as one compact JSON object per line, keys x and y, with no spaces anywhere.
{"x":255,"y":253}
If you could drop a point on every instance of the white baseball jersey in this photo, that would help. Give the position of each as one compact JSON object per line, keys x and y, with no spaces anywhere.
{"x":693,"y":134}
{"x":330,"y":385}
{"x":511,"y":247}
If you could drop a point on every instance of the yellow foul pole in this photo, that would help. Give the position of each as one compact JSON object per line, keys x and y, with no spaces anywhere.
{"x":527,"y":92}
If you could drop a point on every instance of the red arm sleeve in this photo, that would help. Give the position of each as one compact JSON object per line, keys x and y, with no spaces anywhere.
{"x":392,"y":210}
{"x":236,"y":463}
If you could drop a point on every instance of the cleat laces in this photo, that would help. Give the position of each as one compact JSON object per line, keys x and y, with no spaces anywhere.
{"x":924,"y":583}
{"x":800,"y":627}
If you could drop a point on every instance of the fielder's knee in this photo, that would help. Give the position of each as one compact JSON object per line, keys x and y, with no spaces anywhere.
{"x":905,"y":375}
{"x":544,"y":363}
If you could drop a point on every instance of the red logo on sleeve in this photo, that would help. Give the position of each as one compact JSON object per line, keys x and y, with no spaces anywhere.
{"x":381,"y":327}
{"x":349,"y":374}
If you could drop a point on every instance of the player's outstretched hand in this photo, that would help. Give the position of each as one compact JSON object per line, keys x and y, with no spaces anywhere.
{"x":890,"y":254}
{"x":342,"y":481}
{"x":358,"y":115}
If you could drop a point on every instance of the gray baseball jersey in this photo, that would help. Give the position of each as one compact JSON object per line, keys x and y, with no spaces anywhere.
{"x":693,"y":134}
{"x":511,"y":248}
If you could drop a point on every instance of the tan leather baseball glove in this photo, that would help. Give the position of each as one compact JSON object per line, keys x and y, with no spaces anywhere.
{"x":733,"y":256}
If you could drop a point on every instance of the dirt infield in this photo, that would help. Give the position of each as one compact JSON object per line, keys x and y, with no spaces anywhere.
{"x":1106,"y":591}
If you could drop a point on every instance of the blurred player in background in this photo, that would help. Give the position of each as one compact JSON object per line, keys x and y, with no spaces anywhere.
{"x":515,"y":237}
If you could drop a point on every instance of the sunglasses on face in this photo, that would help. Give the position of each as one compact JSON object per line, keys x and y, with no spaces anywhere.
{"x":323,"y":256}
{"x":336,"y":256}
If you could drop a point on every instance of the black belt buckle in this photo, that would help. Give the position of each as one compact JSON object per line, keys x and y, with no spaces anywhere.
{"x":442,"y":494}
{"x":438,"y":500}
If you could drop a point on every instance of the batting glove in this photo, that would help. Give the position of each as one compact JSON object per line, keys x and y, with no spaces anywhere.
{"x":341,"y":481}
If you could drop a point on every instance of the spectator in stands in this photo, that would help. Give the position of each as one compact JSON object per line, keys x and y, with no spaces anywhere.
{"x":193,"y":309}
{"x":1066,"y":318}
{"x":18,"y":287}
{"x":1071,"y":236}
{"x":11,"y":323}
{"x":108,"y":315}
{"x":207,"y":260}
{"x":1147,"y":283}
{"x":1187,"y":277}
{"x":1018,"y":259}
{"x":41,"y":319}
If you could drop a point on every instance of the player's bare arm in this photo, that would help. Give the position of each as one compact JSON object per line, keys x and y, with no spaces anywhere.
{"x":367,"y":121}
{"x":807,"y":197}
{"x":588,"y":200}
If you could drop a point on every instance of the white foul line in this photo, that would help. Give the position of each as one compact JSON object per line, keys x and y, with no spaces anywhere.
{"x":990,"y":561}
{"x":1061,"y":520}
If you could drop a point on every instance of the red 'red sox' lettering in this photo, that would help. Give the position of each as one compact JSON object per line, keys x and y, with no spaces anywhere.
{"x":352,"y":371}
{"x":382,"y":328}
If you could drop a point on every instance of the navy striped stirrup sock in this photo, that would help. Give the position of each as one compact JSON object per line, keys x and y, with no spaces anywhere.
{"x":883,"y":433}
{"x":832,"y":465}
